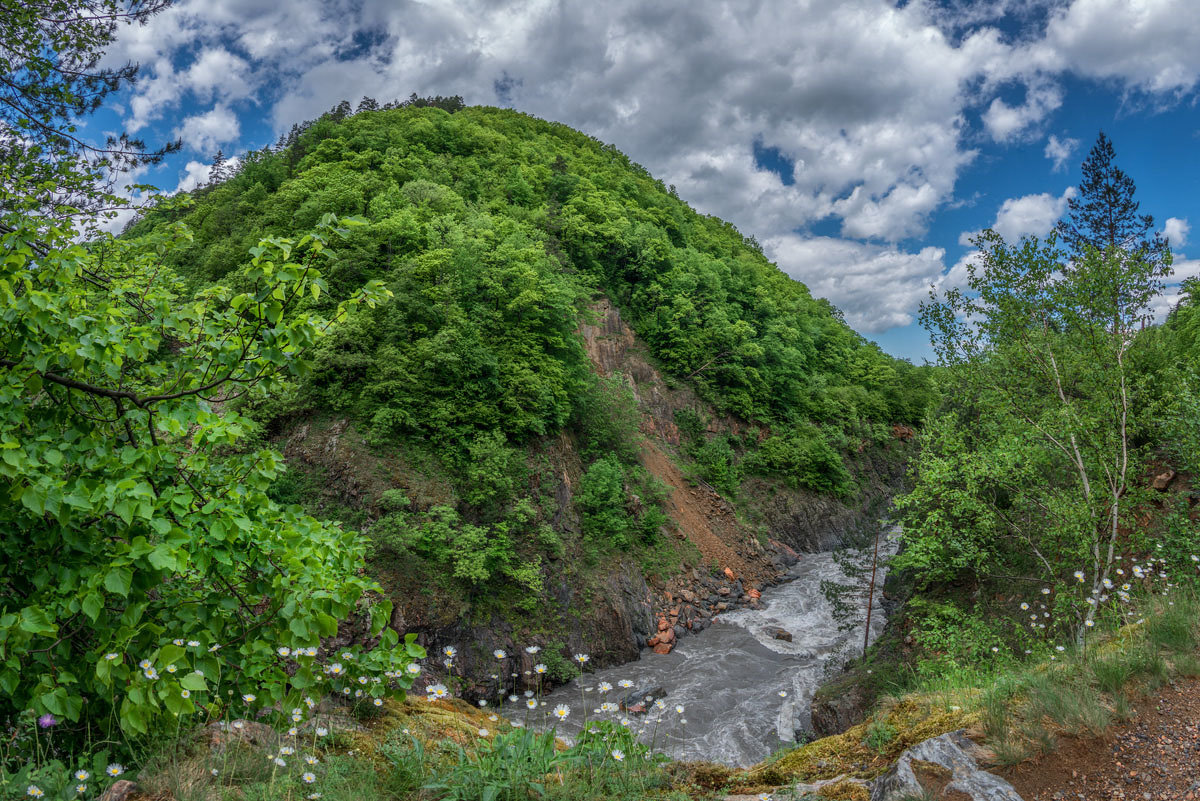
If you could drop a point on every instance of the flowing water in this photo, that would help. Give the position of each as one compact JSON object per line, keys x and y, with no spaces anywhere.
{"x":744,"y":692}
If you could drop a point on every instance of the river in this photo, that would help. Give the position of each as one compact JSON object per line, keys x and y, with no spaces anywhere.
{"x":744,"y":692}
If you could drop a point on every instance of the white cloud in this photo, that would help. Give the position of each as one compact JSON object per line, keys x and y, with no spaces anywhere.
{"x":1059,"y":150}
{"x":1176,"y":231}
{"x":874,"y":102}
{"x":1007,"y":123}
{"x":1150,"y":45}
{"x":1030,"y":215}
{"x":196,"y":174}
{"x":849,"y":275}
{"x":208,"y":131}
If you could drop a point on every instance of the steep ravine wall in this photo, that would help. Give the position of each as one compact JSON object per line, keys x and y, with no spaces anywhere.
{"x":616,"y":611}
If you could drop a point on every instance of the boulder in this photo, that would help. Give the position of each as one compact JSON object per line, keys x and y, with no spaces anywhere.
{"x":780,"y":634}
{"x":662,"y":648}
{"x":942,"y":768}
{"x":1163,"y":480}
{"x":635,"y":701}
{"x":835,"y":711}
{"x":121,"y":790}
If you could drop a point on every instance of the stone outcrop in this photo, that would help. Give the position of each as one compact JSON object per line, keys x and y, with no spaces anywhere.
{"x":943,"y":768}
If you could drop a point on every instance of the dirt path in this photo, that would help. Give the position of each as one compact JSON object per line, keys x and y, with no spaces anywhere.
{"x":1153,"y":757}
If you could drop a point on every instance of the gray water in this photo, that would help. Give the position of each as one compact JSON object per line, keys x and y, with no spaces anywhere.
{"x":729,"y":677}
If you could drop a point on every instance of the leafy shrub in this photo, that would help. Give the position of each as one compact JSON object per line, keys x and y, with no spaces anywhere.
{"x":802,"y":457}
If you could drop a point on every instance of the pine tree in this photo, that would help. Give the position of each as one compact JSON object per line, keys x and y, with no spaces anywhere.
{"x":367,"y":104}
{"x":1104,"y":213}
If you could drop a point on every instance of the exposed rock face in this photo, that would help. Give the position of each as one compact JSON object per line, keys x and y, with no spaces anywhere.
{"x":781,"y":634}
{"x":943,"y":769}
{"x":834,"y":712}
{"x":121,"y":790}
{"x":1163,"y":480}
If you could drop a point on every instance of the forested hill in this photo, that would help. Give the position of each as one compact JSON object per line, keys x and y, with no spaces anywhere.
{"x":494,"y":229}
{"x":552,"y":302}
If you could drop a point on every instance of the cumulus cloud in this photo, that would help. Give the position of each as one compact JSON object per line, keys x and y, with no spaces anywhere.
{"x":1176,"y":231}
{"x":848,"y":274}
{"x":1030,"y":215}
{"x":208,"y":131}
{"x":1059,"y":150}
{"x":196,"y":174}
{"x":875,"y":103}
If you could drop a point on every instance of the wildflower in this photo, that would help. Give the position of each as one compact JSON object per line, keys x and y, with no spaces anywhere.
{"x":1078,"y":576}
{"x":625,"y":722}
{"x":347,"y":655}
{"x":604,"y":687}
{"x":185,"y":694}
{"x":335,"y":669}
{"x":308,"y":778}
{"x":378,"y":702}
{"x":322,"y":731}
{"x":239,"y":724}
{"x":313,"y":796}
{"x":171,"y":668}
{"x":531,"y":703}
{"x":362,"y":679}
{"x":764,"y":797}
{"x":449,"y":663}
{"x":561,"y":711}
{"x":499,"y":654}
{"x":413,"y":668}
{"x":213,"y":771}
{"x":539,"y":668}
{"x":287,"y":750}
{"x":1045,"y":590}
{"x":33,"y":791}
{"x":296,"y":716}
{"x":493,"y":718}
{"x":660,"y":705}
{"x":483,"y":732}
{"x":1107,"y":584}
{"x":450,"y":651}
{"x":145,"y":663}
{"x":214,"y":647}
{"x":115,"y":769}
{"x":618,"y":754}
{"x":783,"y":693}
{"x":283,"y":650}
{"x":625,"y":684}
{"x":47,"y":720}
{"x":512,"y":699}
{"x":995,"y":650}
{"x":110,"y":656}
{"x":533,"y":649}
{"x":581,"y":658}
{"x":1059,"y":648}
{"x":82,"y":775}
{"x":150,"y":673}
{"x":1089,"y":623}
{"x":280,"y":762}
{"x":81,"y":788}
{"x":310,"y":703}
{"x":436,"y":690}
{"x":248,"y":698}
{"x":679,"y":709}
{"x":310,"y":760}
{"x":193,"y":643}
{"x":1024,"y":606}
{"x":293,"y":732}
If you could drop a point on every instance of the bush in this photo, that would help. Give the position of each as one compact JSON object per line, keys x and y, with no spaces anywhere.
{"x":804,"y":458}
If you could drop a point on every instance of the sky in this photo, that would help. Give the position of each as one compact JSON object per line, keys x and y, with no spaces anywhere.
{"x":861,"y":142}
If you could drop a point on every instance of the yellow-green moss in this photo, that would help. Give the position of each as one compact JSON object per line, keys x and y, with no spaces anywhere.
{"x":845,"y":790}
{"x":913,"y":719}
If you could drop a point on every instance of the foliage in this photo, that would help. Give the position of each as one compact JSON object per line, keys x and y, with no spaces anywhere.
{"x":1029,"y":473}
{"x":51,"y":80}
{"x":493,"y":229}
{"x":141,"y":555}
{"x":1104,"y":213}
{"x":802,"y":457}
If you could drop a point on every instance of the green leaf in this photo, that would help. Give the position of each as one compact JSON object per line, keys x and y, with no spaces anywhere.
{"x":118,"y":580}
{"x":193,"y":681}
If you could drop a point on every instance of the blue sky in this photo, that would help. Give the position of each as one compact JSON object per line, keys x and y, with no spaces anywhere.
{"x":860,"y":141}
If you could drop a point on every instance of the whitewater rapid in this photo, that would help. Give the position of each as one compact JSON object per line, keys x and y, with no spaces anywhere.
{"x":729,"y":677}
